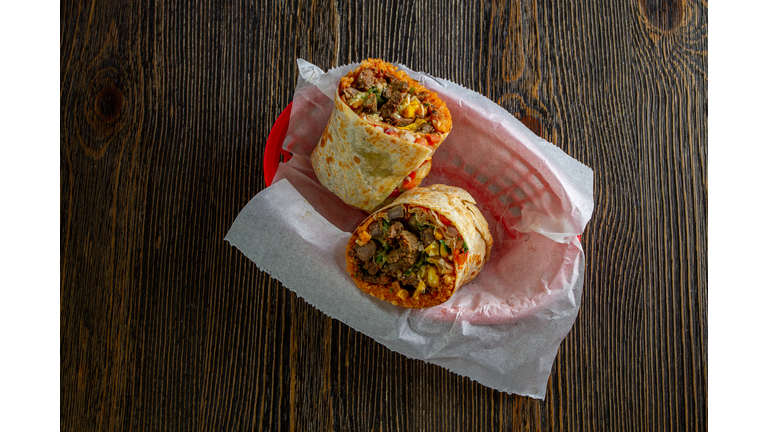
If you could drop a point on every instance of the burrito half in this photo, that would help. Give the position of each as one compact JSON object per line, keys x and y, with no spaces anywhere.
{"x":380,"y":137}
{"x":418,"y":250}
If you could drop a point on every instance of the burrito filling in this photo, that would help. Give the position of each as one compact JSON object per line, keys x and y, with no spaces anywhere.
{"x":394,"y":103}
{"x":413,"y":249}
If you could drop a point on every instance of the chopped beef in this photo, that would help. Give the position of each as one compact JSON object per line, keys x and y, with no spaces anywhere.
{"x":396,"y":212}
{"x":369,"y":104}
{"x":402,"y":246}
{"x":394,"y":230}
{"x":401,"y":259}
{"x":365,"y":80}
{"x":411,"y":279}
{"x":426,"y":128}
{"x":350,"y":91}
{"x":372,"y":267}
{"x":375,"y":229}
{"x":399,"y":87}
{"x":381,"y":278}
{"x":389,"y":108}
{"x":398,"y":121}
{"x":427,"y":236}
{"x":409,"y":242}
{"x":390,"y":79}
{"x":397,"y":94}
{"x":451,"y":231}
{"x":366,"y":251}
{"x":387,"y":94}
{"x":406,"y":253}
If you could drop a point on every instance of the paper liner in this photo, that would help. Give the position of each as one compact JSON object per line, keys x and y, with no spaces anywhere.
{"x":503,"y":328}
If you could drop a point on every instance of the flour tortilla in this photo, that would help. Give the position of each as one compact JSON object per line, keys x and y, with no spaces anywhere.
{"x":457,"y":206}
{"x":360,"y":163}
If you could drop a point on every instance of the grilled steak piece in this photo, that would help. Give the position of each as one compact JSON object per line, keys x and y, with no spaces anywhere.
{"x":394,"y":230}
{"x":426,"y":128}
{"x":397,"y":93}
{"x":375,"y":230}
{"x":381,"y":278}
{"x":427,"y":236}
{"x":366,"y":251}
{"x":350,"y":91}
{"x":407,"y":252}
{"x":372,"y":267}
{"x":365,"y":80}
{"x":396,"y":212}
{"x":412,"y":279}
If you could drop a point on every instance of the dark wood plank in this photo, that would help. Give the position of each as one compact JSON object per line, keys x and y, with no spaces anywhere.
{"x":165,"y":110}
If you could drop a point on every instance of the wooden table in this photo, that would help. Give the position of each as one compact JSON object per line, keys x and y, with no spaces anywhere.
{"x":165,"y":111}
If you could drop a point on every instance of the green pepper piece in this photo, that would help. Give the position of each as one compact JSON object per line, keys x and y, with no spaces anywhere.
{"x":445,"y":250}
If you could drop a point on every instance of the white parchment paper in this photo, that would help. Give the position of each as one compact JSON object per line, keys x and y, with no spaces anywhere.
{"x":504,"y":328}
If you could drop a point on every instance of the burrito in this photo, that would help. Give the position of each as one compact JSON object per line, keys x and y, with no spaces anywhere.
{"x":380,"y":138}
{"x":418,"y":250}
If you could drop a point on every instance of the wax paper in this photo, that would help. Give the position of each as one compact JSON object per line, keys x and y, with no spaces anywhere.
{"x":504,"y":328}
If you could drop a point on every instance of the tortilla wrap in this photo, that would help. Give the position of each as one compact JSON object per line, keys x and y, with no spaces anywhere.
{"x":384,"y":261}
{"x":365,"y":160}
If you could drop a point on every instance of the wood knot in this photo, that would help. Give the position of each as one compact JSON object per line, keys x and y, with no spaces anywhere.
{"x":108,"y":103}
{"x":106,"y":110}
{"x":665,"y":15}
{"x":105,"y":102}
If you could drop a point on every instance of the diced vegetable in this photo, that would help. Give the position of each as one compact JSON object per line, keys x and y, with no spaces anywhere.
{"x":363,"y":238}
{"x":413,"y":223}
{"x":460,"y":258}
{"x":415,"y":125}
{"x":433,"y":280}
{"x":410,"y":181}
{"x":444,"y":220}
{"x":419,"y":289}
{"x":433,"y":249}
{"x":445,"y":251}
{"x":381,"y":257}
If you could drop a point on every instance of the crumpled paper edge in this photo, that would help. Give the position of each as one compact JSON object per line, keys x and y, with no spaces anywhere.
{"x":271,"y":262}
{"x":313,"y":73}
{"x":545,"y":150}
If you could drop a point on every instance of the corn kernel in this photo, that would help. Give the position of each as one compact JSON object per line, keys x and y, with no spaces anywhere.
{"x":403,"y":294}
{"x":419,"y":289}
{"x":433,"y":249}
{"x":438,"y":235}
{"x":444,"y":250}
{"x":433,"y":280}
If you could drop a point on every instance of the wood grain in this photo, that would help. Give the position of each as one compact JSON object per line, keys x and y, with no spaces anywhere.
{"x":165,"y":111}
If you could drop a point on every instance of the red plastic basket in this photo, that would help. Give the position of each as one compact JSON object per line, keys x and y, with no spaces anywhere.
{"x":275,"y":145}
